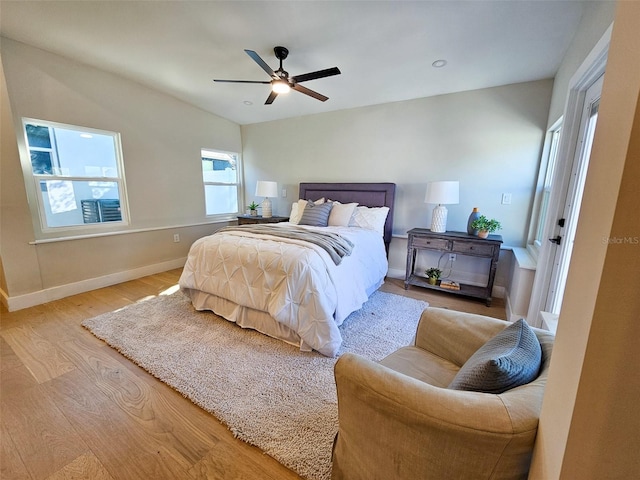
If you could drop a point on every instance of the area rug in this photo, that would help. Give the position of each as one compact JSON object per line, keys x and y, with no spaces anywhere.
{"x":268,"y":393}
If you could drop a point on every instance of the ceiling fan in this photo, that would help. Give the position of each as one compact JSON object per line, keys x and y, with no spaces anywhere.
{"x":281,"y":82}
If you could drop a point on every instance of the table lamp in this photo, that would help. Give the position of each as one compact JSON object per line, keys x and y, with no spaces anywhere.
{"x":441,"y":193}
{"x":266,"y":189}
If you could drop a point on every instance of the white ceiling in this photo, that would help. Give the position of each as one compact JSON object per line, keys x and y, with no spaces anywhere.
{"x":383,"y":48}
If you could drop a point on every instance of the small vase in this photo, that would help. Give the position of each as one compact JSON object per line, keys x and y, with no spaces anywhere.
{"x":432,"y":280}
{"x":254,"y":213}
{"x":474,"y":215}
{"x":483,"y":233}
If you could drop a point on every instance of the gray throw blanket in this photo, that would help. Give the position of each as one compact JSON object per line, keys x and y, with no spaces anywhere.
{"x":335,"y":245}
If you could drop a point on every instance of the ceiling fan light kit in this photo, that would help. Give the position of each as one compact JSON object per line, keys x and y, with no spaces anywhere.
{"x":281,"y":82}
{"x":280,"y":86}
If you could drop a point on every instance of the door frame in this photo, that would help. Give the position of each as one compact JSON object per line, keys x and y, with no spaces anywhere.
{"x":592,"y":68}
{"x":573,"y":200}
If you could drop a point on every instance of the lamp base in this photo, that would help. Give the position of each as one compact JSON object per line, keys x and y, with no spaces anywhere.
{"x":266,"y":208}
{"x":439,"y":219}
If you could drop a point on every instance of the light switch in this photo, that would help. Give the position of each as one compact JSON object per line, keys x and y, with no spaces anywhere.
{"x":506,"y":199}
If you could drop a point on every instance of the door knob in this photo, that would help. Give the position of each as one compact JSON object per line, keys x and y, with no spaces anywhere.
{"x":557,"y":240}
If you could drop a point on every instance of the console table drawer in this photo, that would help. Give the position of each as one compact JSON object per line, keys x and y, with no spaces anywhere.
{"x":435,"y":243}
{"x":472,"y":248}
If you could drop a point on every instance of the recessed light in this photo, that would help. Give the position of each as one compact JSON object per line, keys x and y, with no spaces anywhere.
{"x":247,"y":102}
{"x":439,"y":63}
{"x":86,"y":135}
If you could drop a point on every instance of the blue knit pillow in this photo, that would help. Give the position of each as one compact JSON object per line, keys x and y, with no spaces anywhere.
{"x":510,"y":359}
{"x":316,"y":215}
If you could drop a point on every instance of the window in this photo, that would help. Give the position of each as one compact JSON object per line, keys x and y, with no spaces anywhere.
{"x":77,"y":173}
{"x":221,"y":176}
{"x":546,"y":177}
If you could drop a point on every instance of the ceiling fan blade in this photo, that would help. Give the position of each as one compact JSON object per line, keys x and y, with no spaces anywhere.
{"x":263,"y":65}
{"x":311,"y":93}
{"x":272,"y":96}
{"x":241,"y":81}
{"x":305,"y":77}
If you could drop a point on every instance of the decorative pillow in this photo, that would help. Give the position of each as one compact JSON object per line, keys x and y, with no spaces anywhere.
{"x":316,"y":215}
{"x":341,"y":214}
{"x":294,"y":217}
{"x":298,"y":207}
{"x":508,"y":360}
{"x":371,"y":218}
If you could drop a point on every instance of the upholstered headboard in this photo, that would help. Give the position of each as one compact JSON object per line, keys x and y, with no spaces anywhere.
{"x":366,"y":194}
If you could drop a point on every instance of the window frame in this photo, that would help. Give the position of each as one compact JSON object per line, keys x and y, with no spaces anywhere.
{"x":544,"y":185}
{"x":238,"y":184}
{"x":32,"y":180}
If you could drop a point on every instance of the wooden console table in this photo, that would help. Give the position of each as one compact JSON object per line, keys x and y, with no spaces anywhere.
{"x":453,"y":242}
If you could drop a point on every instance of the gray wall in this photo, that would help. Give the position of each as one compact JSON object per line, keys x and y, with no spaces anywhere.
{"x":161,"y":141}
{"x":490,"y":140}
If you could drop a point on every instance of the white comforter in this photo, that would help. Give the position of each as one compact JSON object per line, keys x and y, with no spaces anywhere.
{"x":295,"y":282}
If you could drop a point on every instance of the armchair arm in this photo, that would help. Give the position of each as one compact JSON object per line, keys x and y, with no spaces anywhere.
{"x":455,"y":336}
{"x":385,"y":416}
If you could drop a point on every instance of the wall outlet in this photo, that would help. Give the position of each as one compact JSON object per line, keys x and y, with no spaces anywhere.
{"x":176,"y":237}
{"x":284,"y":193}
{"x":506,"y":199}
{"x":452,"y":257}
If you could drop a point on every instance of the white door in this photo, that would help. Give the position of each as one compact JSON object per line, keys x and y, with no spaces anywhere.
{"x":564,"y":233}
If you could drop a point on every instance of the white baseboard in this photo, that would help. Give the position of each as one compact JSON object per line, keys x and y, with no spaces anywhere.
{"x":27,"y":300}
{"x":498,"y":291}
{"x":395,"y":273}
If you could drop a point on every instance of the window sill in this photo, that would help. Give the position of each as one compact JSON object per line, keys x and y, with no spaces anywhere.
{"x":127,"y":232}
{"x":524,"y":258}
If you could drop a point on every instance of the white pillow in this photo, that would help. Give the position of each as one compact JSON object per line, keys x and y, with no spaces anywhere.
{"x":341,"y":214}
{"x":294,"y":216}
{"x":371,"y":218}
{"x":297,"y":209}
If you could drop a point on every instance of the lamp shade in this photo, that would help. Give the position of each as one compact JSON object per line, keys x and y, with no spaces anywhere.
{"x":266,"y":189}
{"x":440,"y":193}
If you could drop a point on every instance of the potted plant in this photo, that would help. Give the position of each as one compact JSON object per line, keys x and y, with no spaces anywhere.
{"x":433,"y":274}
{"x":484,"y":226}
{"x":253,"y":209}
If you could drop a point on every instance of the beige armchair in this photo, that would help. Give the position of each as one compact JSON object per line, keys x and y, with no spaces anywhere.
{"x":398,"y":419}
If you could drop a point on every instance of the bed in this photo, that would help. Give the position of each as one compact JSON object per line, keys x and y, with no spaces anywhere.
{"x":296,"y":282}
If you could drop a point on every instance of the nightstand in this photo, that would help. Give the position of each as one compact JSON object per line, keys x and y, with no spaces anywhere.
{"x":252,"y":219}
{"x":453,"y":242}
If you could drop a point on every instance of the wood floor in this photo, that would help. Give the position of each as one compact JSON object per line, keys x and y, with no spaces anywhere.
{"x":73,"y":408}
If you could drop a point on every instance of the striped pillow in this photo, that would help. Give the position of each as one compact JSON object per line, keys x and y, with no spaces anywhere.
{"x":316,"y":215}
{"x":297,"y":208}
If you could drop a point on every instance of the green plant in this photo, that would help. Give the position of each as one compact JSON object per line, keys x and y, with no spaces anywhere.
{"x":482,"y":223}
{"x":253,"y":206}
{"x":433,"y":272}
